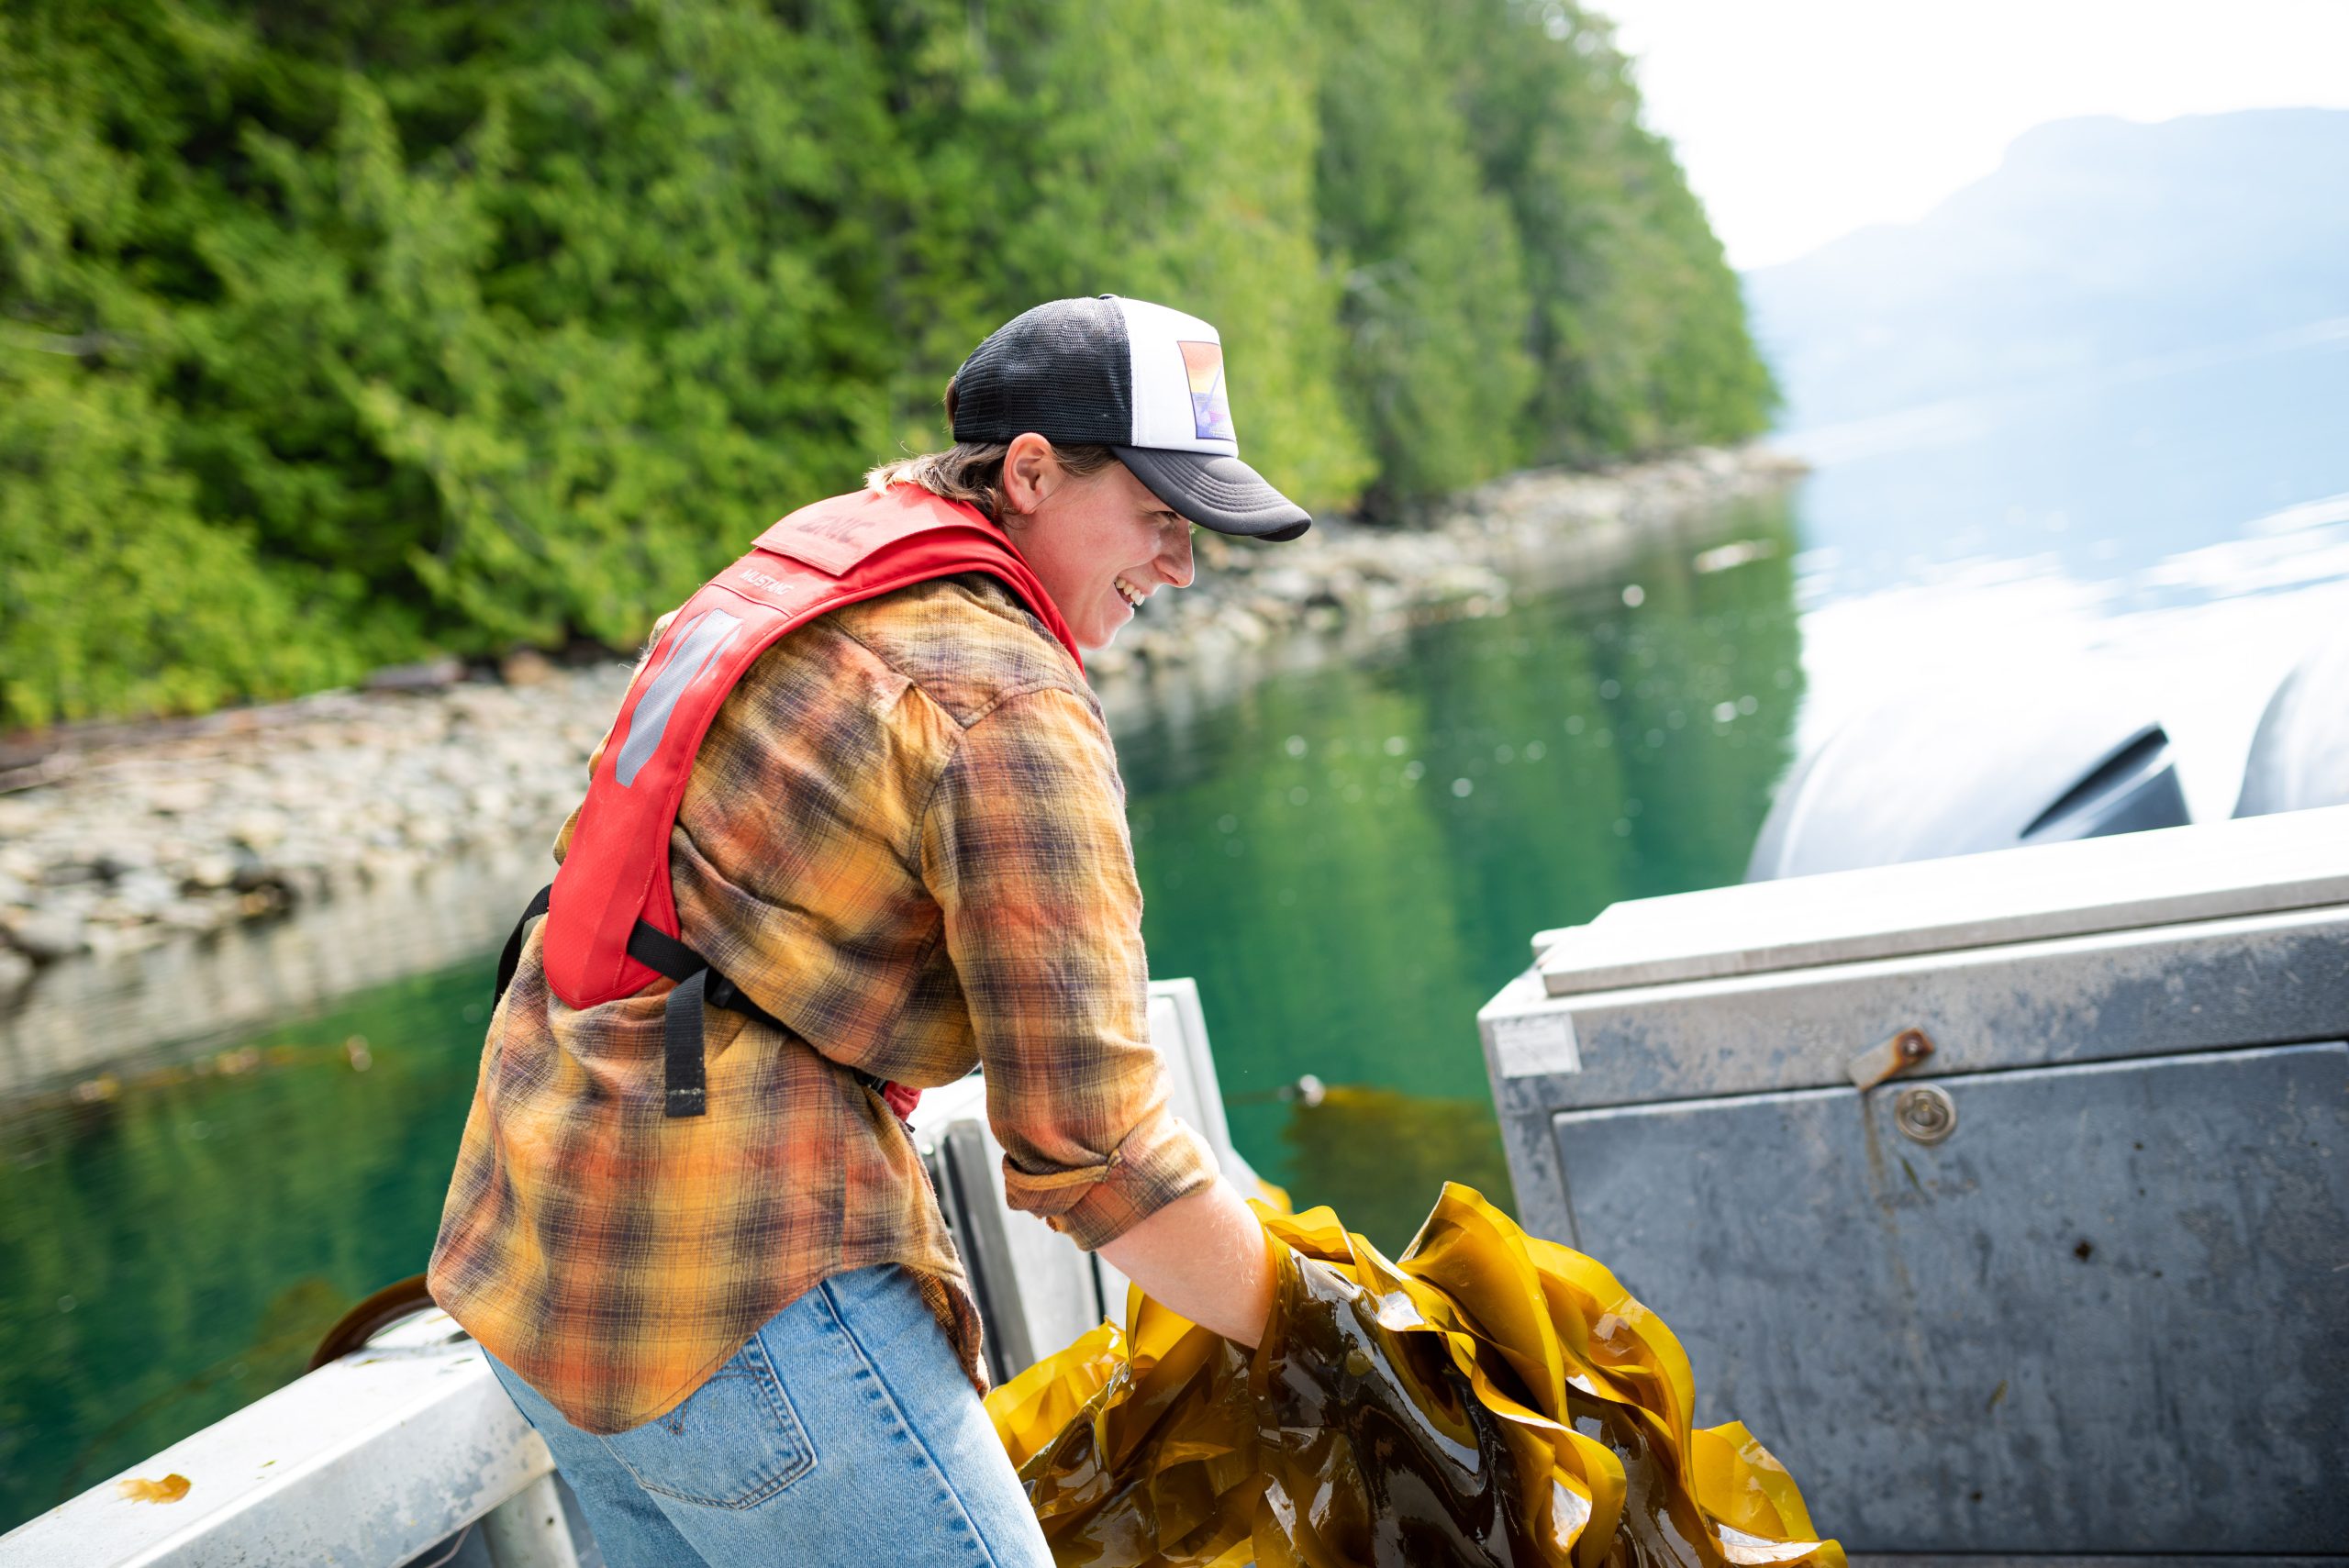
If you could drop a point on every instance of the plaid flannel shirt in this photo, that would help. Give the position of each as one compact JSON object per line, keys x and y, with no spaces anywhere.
{"x":903,"y":837}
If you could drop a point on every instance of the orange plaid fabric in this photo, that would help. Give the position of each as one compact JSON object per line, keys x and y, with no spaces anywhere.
{"x":905,"y":836}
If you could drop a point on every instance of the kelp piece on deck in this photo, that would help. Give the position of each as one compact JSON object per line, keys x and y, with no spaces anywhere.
{"x":1488,"y":1398}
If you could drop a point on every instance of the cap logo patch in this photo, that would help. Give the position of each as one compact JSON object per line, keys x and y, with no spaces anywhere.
{"x":1210,"y":410}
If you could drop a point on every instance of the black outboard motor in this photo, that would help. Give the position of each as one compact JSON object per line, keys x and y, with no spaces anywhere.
{"x":2300,"y":755}
{"x":1958,"y":773}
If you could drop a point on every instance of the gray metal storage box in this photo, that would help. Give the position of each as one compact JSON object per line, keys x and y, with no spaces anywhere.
{"x":2071,"y":1282}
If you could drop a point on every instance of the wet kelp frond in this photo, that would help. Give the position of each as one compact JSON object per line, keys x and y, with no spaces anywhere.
{"x":1488,"y":1398}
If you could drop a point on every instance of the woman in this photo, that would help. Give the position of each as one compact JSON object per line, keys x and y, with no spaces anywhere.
{"x":901,"y":852}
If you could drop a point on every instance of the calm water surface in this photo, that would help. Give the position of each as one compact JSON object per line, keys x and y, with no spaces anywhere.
{"x":1348,"y":861}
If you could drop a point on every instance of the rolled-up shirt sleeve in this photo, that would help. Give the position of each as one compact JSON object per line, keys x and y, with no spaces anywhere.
{"x":1024,"y":848}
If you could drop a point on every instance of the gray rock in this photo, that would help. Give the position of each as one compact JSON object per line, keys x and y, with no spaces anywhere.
{"x":214,"y":869}
{"x":45,"y":936}
{"x":1290,"y":584}
{"x":15,"y":971}
{"x":199,"y":914}
{"x":433,"y":675}
{"x":525,"y":667}
{"x":178,"y":796}
{"x":109,"y":941}
{"x":147,"y":893}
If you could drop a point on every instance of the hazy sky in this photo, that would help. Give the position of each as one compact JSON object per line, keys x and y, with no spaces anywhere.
{"x":1801,"y":120}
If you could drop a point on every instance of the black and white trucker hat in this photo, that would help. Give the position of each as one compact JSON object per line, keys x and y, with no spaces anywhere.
{"x":1134,"y":376}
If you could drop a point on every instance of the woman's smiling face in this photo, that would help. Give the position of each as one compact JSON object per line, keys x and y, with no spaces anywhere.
{"x":1101,"y":543}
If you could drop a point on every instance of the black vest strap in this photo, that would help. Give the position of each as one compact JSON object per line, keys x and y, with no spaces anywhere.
{"x":511,"y":959}
{"x":665,"y":954}
{"x":686,"y":1092}
{"x":684,"y":1066}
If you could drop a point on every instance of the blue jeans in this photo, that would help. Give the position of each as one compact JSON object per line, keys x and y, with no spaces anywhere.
{"x":844,"y":1431}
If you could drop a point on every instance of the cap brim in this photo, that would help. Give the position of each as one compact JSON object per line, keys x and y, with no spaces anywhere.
{"x":1217,"y":492}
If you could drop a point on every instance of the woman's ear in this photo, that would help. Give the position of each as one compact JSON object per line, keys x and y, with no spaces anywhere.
{"x":1030,"y":471}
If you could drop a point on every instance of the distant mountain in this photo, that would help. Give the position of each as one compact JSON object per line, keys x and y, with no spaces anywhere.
{"x":2098,"y":245}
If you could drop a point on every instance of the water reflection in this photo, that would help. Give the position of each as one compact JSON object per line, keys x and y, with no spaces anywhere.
{"x":1390,"y":1150}
{"x":1350,"y":861}
{"x":174,"y":1235}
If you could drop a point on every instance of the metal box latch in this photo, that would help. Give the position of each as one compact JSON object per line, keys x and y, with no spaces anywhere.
{"x":1899,"y":1053}
{"x":1922,"y":1111}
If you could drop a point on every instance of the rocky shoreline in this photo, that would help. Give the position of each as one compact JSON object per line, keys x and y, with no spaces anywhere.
{"x":134,"y":838}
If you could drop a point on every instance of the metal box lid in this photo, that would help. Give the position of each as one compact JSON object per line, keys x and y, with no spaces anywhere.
{"x":2255,"y":865}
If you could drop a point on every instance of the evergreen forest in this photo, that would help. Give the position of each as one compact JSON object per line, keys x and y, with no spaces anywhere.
{"x":334,"y":333}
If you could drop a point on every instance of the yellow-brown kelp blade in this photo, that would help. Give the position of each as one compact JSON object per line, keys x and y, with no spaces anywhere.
{"x":1487,"y":1398}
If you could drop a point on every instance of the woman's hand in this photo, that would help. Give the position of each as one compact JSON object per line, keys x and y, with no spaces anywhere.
{"x":1202,"y":1256}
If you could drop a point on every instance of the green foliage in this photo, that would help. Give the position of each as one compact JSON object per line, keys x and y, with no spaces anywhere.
{"x":337,"y":333}
{"x":1435,"y":306}
{"x":114,"y":594}
{"x":1638,"y":328}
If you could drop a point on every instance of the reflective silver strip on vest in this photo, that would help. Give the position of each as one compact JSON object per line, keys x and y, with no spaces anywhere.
{"x":703,"y":639}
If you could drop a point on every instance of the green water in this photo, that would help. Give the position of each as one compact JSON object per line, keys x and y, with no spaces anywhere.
{"x":175,"y":1237}
{"x":1349,"y":861}
{"x":1350,"y":864}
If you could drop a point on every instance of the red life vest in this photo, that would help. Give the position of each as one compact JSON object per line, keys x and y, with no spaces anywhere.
{"x":612,"y":917}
